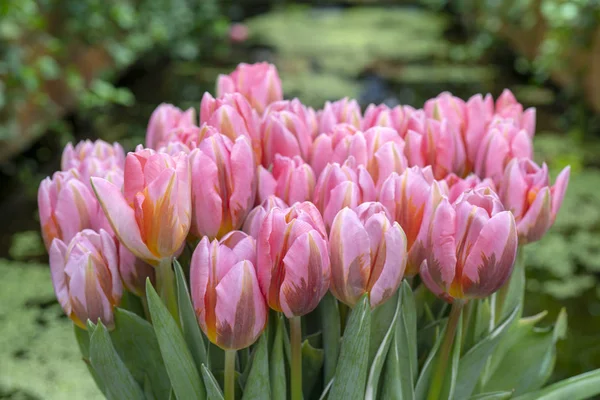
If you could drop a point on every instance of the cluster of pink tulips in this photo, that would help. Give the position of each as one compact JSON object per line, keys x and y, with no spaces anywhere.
{"x":281,"y":203}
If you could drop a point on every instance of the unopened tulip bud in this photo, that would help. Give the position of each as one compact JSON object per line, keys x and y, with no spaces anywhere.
{"x":165,"y":118}
{"x":381,"y":115}
{"x":186,"y":139}
{"x":229,"y":305}
{"x":295,"y":179}
{"x":284,"y":133}
{"x":292,"y":259}
{"x":257,"y":215}
{"x":368,"y":255}
{"x":295,"y":106}
{"x":457,"y":186}
{"x":85,"y":277}
{"x":471,"y":247}
{"x":508,"y":107}
{"x":259,"y":83}
{"x":224,"y":185}
{"x":525,"y":190}
{"x":94,"y":159}
{"x":152,"y":215}
{"x":342,"y":111}
{"x":344,"y":141}
{"x":480,"y":112}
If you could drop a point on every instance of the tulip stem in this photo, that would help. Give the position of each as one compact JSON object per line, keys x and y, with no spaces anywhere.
{"x":502,"y":293}
{"x":296,"y":344}
{"x":165,"y":282}
{"x":437,"y":382}
{"x":229,"y":374}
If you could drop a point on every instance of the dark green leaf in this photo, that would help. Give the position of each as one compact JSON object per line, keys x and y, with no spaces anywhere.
{"x":381,"y":320}
{"x":187,"y":317}
{"x":111,"y":371}
{"x":450,"y":377}
{"x":83,"y":340}
{"x":330,"y":320}
{"x":424,"y":380}
{"x":580,"y":387}
{"x":515,"y":291}
{"x":277,"y":364}
{"x":176,"y":356}
{"x":135,"y":342}
{"x":257,"y":385}
{"x":312,"y":362}
{"x":213,"y":391}
{"x":351,"y":372}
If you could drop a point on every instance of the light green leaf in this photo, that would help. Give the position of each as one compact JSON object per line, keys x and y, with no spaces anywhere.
{"x":515,"y":291}
{"x":381,"y":320}
{"x":136,"y":344}
{"x":213,"y":391}
{"x":491,"y":396}
{"x":187,"y":317}
{"x":277,"y":363}
{"x":312,"y":362}
{"x":176,"y":356}
{"x":257,"y":385}
{"x":351,"y":372}
{"x":473,"y":362}
{"x":450,"y":381}
{"x":380,"y":356}
{"x":406,"y":341}
{"x":83,"y":340}
{"x":424,"y":380}
{"x":110,"y":369}
{"x":330,"y":323}
{"x":580,"y":387}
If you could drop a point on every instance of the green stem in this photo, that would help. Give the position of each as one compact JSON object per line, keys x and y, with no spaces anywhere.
{"x":344,"y":311}
{"x":229,"y":374}
{"x":437,"y":382}
{"x":296,"y":344}
{"x":165,"y":282}
{"x":502,"y":293}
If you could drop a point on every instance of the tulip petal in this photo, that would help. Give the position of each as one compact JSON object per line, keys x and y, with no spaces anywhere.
{"x":558,"y":190}
{"x":392,"y":271}
{"x":58,"y":254}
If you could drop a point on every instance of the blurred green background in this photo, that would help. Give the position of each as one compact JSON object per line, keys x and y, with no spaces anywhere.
{"x":76,"y":69}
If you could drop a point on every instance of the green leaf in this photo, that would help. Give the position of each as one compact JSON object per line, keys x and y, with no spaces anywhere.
{"x":473,"y":362}
{"x":450,"y":380}
{"x":257,"y":385}
{"x":83,"y":340}
{"x":113,"y":373}
{"x":509,"y":370}
{"x":516,"y":290}
{"x":584,"y":386}
{"x":351,"y":372}
{"x":312,"y":362}
{"x":381,"y":320}
{"x":148,"y":390}
{"x":491,"y":396}
{"x":424,"y":380}
{"x":277,"y":364}
{"x":380,"y":356}
{"x":187,"y":317}
{"x":176,"y":356}
{"x":330,"y":324}
{"x":213,"y":391}
{"x":135,"y":342}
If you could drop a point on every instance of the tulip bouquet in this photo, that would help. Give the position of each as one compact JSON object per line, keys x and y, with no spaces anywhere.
{"x":271,"y":251}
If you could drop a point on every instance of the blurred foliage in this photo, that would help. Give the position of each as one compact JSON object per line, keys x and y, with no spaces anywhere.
{"x":40,"y":41}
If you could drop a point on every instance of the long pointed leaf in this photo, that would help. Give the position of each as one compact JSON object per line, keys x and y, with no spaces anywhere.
{"x":257,"y":385}
{"x":330,"y":322}
{"x":277,"y":364}
{"x":580,"y":387}
{"x":213,"y":391}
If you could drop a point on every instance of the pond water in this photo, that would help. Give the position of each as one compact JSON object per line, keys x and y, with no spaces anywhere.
{"x":393,"y":55}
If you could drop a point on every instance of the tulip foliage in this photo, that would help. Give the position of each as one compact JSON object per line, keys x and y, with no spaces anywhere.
{"x":272,"y":251}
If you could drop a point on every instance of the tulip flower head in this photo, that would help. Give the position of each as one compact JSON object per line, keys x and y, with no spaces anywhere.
{"x":471,"y":246}
{"x":134,"y":272}
{"x":450,"y":108}
{"x":295,"y":106}
{"x":294,"y":179}
{"x":284,"y":133}
{"x":457,"y":186}
{"x":259,"y":83}
{"x":344,"y":141}
{"x":342,"y":111}
{"x":85,"y":277}
{"x":165,"y":118}
{"x":508,"y":107}
{"x":224,"y":185}
{"x":368,"y":255}
{"x":152,"y":215}
{"x":225,"y":293}
{"x":258,"y":214}
{"x":292,"y":259}
{"x":526,"y":192}
{"x":381,"y":115}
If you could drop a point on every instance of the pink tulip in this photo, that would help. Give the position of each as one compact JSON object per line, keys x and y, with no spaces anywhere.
{"x":134,"y":271}
{"x":368,"y":255}
{"x":430,"y":142}
{"x":405,"y":196}
{"x":471,"y":247}
{"x":229,"y":305}
{"x":370,"y":208}
{"x":293,"y":261}
{"x":480,"y":112}
{"x":503,"y":142}
{"x":85,"y":277}
{"x":295,"y":180}
{"x":185,"y":139}
{"x":259,"y":83}
{"x":525,"y":191}
{"x":232,"y":116}
{"x":284,"y":133}
{"x":306,"y":114}
{"x":340,"y":186}
{"x":342,"y":111}
{"x":75,"y":156}
{"x":381,"y":115}
{"x":457,"y":186}
{"x":344,"y":141}
{"x":258,"y":214}
{"x":508,"y":107}
{"x":265,"y":183}
{"x":224,"y":185}
{"x":165,"y":118}
{"x":153,"y":214}
{"x":66,"y":207}
{"x":450,"y":108}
